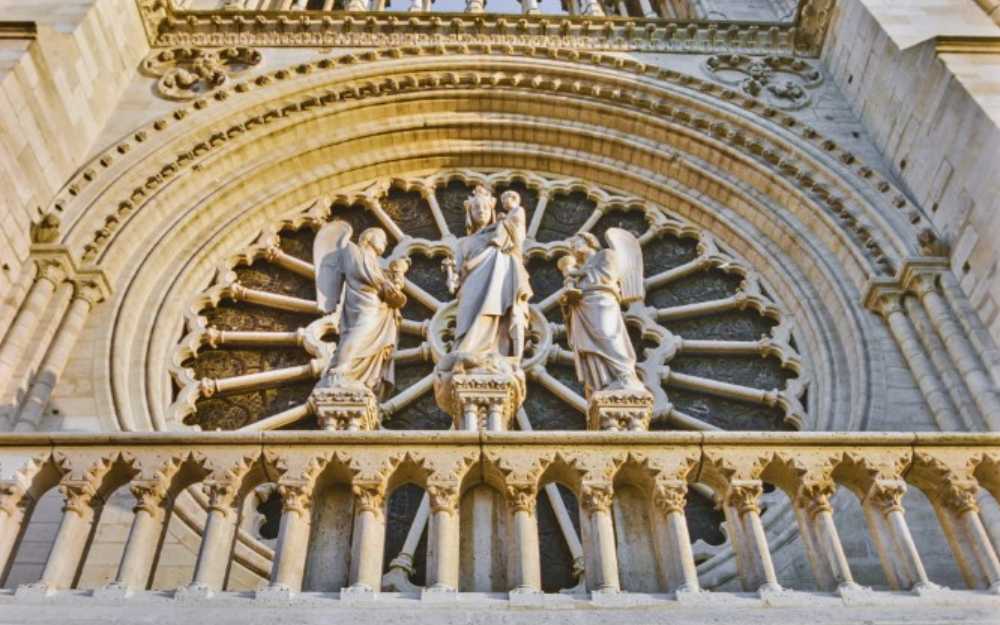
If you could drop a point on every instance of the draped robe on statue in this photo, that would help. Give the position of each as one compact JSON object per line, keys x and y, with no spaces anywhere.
{"x":596,"y":327}
{"x":369,"y":327}
{"x":494,"y":292}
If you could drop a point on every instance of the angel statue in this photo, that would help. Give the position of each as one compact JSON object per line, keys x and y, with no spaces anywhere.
{"x":364,"y":302}
{"x":491,"y":281}
{"x":598,"y":282}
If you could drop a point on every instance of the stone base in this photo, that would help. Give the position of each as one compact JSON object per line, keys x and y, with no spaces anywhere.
{"x":33,"y":592}
{"x":348,"y":408}
{"x":620,"y":410}
{"x":480,"y":400}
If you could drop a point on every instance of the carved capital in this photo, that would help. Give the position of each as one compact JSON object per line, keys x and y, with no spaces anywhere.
{"x":369,"y":496}
{"x":744,"y":495}
{"x":52,"y":270}
{"x":12,"y":497}
{"x":522,"y":497}
{"x":443,"y":497}
{"x":221,"y":496}
{"x":959,"y":496}
{"x":149,"y":496}
{"x":814,"y":497}
{"x":89,"y":291}
{"x":670,"y":496}
{"x":887,"y":495}
{"x":598,"y":497}
{"x":296,"y":497}
{"x":79,"y":497}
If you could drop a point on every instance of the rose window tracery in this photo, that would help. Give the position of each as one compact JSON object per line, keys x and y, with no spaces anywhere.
{"x":712,"y":346}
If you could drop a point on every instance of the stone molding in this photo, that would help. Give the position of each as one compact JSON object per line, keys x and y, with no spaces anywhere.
{"x":167,"y":26}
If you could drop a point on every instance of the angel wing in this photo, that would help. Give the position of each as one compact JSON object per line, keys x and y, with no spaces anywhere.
{"x":330,"y":242}
{"x":629,"y":253}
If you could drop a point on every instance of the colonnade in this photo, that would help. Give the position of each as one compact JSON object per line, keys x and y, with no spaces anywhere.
{"x":661,"y":466}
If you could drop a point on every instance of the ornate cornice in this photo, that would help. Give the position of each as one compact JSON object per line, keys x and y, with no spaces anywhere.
{"x":167,"y":26}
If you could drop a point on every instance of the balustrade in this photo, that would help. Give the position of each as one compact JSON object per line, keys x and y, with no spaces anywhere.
{"x":221,"y":470}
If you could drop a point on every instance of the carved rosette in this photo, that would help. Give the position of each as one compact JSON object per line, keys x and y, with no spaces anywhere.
{"x":478,"y":401}
{"x":620,"y":410}
{"x":351,"y":409}
{"x":187,"y":73}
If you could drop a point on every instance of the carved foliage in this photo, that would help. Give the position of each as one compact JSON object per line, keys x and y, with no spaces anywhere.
{"x":187,"y":73}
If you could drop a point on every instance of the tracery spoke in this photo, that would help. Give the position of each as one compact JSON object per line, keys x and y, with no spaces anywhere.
{"x":684,"y":311}
{"x":438,"y":214}
{"x":720,"y":389}
{"x":261,"y":380}
{"x":685,"y":421}
{"x":536,"y":217}
{"x":561,"y":355}
{"x":676,"y":273}
{"x":552,"y":299}
{"x":421,"y":353}
{"x":542,"y":376}
{"x":592,"y":219}
{"x":375,"y":206}
{"x":414,"y":328}
{"x":273,"y":300}
{"x":239,"y":338}
{"x":426,"y":299}
{"x":408,"y":395}
{"x":729,"y":348}
{"x":296,"y":265}
{"x":280,"y":420}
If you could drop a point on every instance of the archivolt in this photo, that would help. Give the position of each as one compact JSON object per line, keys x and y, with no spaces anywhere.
{"x":162,"y":208}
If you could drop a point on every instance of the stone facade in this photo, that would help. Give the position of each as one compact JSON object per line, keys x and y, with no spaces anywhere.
{"x":812,"y":188}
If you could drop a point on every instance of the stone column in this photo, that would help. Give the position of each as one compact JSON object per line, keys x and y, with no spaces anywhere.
{"x":14,"y":506}
{"x":900,"y":559}
{"x":66,"y":557}
{"x":529,"y":7}
{"x":973,"y":550}
{"x":217,"y":540}
{"x":681,"y":572}
{"x":523,"y":499}
{"x":369,"y":536}
{"x":830,"y":565}
{"x":85,"y":296}
{"x":889,"y":305}
{"x":743,"y":510}
{"x":443,"y":538}
{"x":289,"y":563}
{"x":972,"y":323}
{"x":136,"y":566}
{"x":961,"y":350}
{"x":18,"y":338}
{"x":596,"y":502}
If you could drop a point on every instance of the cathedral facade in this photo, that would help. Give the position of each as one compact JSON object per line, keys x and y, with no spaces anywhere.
{"x":499,"y":311}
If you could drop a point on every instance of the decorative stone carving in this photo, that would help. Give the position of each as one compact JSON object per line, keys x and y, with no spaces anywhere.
{"x":598,"y":282}
{"x":187,"y":73}
{"x":480,"y":382}
{"x":783,"y":81}
{"x":363,"y":302}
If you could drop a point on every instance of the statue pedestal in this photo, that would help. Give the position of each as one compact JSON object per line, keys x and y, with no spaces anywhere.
{"x":620,"y":410}
{"x":480,"y":401}
{"x":348,"y":408}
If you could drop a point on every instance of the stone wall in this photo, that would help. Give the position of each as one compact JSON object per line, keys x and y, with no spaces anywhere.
{"x":933,"y":109}
{"x":57,"y":92}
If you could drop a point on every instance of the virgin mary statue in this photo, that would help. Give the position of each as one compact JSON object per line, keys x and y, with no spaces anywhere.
{"x":491,"y":281}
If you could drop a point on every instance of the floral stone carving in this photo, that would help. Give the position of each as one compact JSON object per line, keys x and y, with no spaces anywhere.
{"x":783,"y":81}
{"x":187,"y":73}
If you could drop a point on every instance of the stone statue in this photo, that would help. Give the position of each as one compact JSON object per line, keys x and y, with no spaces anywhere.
{"x":598,"y":282}
{"x":364,"y":301}
{"x":491,"y":281}
{"x":480,"y":383}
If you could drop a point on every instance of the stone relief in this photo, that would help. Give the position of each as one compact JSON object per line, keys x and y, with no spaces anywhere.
{"x":188,"y":73}
{"x":783,"y":81}
{"x":691,"y":322}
